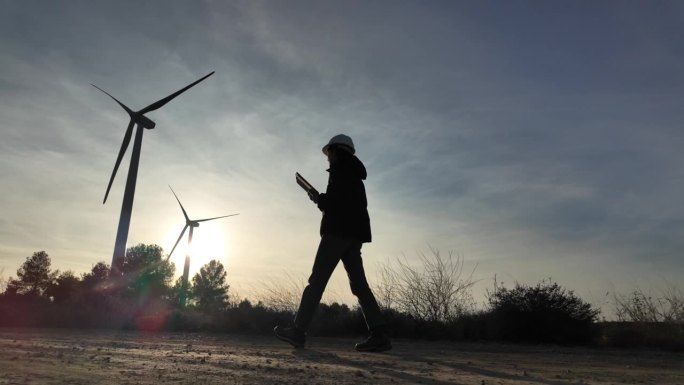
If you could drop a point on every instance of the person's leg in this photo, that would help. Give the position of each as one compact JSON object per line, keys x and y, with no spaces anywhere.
{"x":353,"y":264}
{"x":377,"y":340}
{"x":330,"y":251}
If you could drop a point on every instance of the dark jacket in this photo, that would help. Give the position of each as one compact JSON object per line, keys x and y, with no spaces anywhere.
{"x":344,"y":203}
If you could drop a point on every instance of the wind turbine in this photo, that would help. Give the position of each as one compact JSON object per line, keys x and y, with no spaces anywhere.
{"x":137,"y":118}
{"x":191,"y":224}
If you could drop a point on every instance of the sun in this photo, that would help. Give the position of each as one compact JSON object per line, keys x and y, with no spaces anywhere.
{"x":209,"y":241}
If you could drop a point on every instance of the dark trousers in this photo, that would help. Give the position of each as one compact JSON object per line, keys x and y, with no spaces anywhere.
{"x":331,"y":250}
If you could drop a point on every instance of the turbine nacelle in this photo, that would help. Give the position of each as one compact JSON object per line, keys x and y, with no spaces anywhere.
{"x":143,"y":120}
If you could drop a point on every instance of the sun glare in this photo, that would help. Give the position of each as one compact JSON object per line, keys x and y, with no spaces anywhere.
{"x":209,"y":241}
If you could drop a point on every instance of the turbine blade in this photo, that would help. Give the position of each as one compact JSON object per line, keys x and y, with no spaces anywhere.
{"x":181,"y":205}
{"x":122,"y":150}
{"x":160,"y":103}
{"x":178,"y":240}
{"x":211,"y":219}
{"x":130,"y":112}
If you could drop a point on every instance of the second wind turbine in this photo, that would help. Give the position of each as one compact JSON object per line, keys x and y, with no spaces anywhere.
{"x":191,"y":224}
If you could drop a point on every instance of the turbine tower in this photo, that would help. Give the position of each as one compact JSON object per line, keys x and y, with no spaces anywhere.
{"x":137,"y":118}
{"x":191,"y":224}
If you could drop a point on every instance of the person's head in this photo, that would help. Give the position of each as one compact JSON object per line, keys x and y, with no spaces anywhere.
{"x":338,"y":144}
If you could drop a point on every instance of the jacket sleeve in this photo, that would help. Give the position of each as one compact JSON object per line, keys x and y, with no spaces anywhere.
{"x":322,"y":201}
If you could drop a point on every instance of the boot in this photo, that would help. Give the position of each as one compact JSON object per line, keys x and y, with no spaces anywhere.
{"x":377,"y":341}
{"x":292,"y":335}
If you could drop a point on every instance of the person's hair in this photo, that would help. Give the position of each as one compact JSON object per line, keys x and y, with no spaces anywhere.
{"x":339,"y":153}
{"x":340,"y":148}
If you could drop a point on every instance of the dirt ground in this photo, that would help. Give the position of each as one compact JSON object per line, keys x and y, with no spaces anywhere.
{"x":108,"y":357}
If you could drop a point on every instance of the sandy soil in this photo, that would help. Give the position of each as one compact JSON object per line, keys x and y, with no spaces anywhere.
{"x":107,"y":357}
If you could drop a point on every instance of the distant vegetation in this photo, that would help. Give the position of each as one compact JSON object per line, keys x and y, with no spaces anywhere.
{"x":432,"y":300}
{"x":640,"y":306}
{"x":3,"y":281}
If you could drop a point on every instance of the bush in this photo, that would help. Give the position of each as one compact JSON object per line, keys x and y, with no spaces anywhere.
{"x":336,"y":320}
{"x":545,"y":312}
{"x":666,"y":336}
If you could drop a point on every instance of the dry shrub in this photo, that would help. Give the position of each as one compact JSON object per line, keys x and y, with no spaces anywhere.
{"x":387,"y":287}
{"x":282,"y":294}
{"x":3,"y":281}
{"x":436,"y":291}
{"x":641,"y":306}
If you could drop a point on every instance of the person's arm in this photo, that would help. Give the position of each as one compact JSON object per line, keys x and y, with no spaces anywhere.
{"x":313,"y":195}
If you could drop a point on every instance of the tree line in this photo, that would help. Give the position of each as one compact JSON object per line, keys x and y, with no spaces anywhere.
{"x":40,"y":296}
{"x":431,"y":300}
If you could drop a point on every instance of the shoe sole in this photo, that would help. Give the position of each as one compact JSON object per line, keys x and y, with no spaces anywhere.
{"x":290,"y":341}
{"x":375,"y":349}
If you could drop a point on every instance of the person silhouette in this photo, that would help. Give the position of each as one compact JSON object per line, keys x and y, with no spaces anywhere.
{"x":345,"y":226}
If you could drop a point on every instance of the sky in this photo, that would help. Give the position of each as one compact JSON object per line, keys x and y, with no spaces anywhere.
{"x":534,"y":139}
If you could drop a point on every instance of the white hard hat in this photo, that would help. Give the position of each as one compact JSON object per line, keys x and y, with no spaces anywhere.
{"x":341,"y":140}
